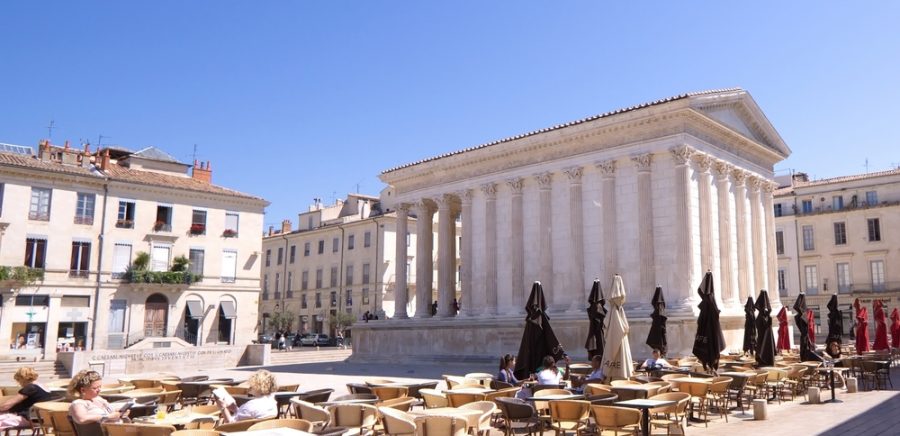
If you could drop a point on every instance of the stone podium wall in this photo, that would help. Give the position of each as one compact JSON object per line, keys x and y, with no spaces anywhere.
{"x":125,"y":362}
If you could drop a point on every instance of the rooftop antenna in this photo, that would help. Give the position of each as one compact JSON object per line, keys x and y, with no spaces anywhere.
{"x":50,"y":129}
{"x":194,"y":157}
{"x":100,"y":140}
{"x":867,"y":165}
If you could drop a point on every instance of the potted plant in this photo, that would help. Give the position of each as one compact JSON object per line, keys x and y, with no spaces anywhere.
{"x":198,"y":229}
{"x":229,"y":233}
{"x":125,"y":223}
{"x":159,"y":225}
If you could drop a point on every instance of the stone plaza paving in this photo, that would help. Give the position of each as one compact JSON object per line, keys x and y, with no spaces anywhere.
{"x":865,"y":412}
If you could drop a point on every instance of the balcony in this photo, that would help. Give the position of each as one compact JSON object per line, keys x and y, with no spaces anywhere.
{"x":125,"y":224}
{"x":39,"y":216}
{"x":229,"y":233}
{"x":197,"y":229}
{"x":161,"y":277}
{"x":162,"y":226}
{"x":848,"y":207}
{"x":86,"y":220}
{"x":80,"y":274}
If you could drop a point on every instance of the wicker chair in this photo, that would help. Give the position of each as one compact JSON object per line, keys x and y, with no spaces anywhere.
{"x":669,"y":415}
{"x":516,"y":411}
{"x":440,"y":425}
{"x":359,"y":416}
{"x":569,"y":415}
{"x":616,"y":418}
{"x":137,"y":429}
{"x":316,"y":415}
{"x":196,"y":433}
{"x":487,"y":409}
{"x":434,"y":398}
{"x":238,"y":425}
{"x":396,"y":422}
{"x":456,"y":399}
{"x":402,"y":403}
{"x":389,"y":392}
{"x":296,"y":424}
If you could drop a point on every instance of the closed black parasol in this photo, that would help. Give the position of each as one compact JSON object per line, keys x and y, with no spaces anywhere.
{"x":709,"y":341}
{"x":765,"y":341}
{"x":835,"y":321}
{"x":538,"y":339}
{"x":806,"y":348}
{"x":657,"y":337}
{"x":749,"y":327}
{"x":596,"y":315}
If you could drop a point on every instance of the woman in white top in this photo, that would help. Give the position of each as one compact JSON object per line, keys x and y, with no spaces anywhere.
{"x":90,"y":407}
{"x":550,"y":374}
{"x":262,"y":385}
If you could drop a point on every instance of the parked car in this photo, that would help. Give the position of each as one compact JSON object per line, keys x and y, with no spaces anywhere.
{"x":315,"y":339}
{"x":265,"y":339}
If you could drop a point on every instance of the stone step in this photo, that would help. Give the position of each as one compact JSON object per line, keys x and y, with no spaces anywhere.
{"x":47,"y":370}
{"x":295,"y":357}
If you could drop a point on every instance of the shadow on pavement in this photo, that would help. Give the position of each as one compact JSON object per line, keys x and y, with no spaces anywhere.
{"x":881,"y":419}
{"x":380,"y":370}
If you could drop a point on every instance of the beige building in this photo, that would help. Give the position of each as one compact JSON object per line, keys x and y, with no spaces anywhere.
{"x":82,"y":219}
{"x":838,"y":236}
{"x":659,"y":192}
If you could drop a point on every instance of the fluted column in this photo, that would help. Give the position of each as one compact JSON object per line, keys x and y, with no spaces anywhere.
{"x":578,"y":290}
{"x":682,"y":273}
{"x":446,"y":256}
{"x":727,"y":259}
{"x":401,"y":290}
{"x":707,"y":259}
{"x":745,"y":284}
{"x":756,"y":232}
{"x":466,"y":299}
{"x":771,"y":256}
{"x":646,"y":266}
{"x":608,"y":218}
{"x":490,"y":247}
{"x":545,"y":229}
{"x":517,"y":247}
{"x":424,"y":258}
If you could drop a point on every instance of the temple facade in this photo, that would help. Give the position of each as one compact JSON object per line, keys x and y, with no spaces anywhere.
{"x":658,"y":193}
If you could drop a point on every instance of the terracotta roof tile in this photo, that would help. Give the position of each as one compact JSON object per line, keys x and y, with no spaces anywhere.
{"x":23,"y":161}
{"x":853,"y":177}
{"x":120,"y":173}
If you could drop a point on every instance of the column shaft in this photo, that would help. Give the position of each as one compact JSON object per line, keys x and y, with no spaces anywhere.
{"x":771,"y":256}
{"x":490,"y":247}
{"x":446,"y":257}
{"x":401,"y":291}
{"x":466,"y":302}
{"x":727,"y":261}
{"x":745,"y":286}
{"x":424,"y":259}
{"x":646,"y":270}
{"x":544,"y":237}
{"x":517,"y":248}
{"x":759,"y":244}
{"x":684,"y":236}
{"x":608,"y":219}
{"x":577,"y":287}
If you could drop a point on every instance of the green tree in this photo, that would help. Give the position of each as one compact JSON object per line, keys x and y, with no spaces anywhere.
{"x":341,"y":320}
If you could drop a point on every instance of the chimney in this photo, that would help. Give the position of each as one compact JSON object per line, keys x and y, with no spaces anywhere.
{"x":271,"y":230}
{"x":104,"y":162}
{"x":44,"y":150}
{"x":69,"y":156}
{"x":286,"y":226}
{"x":202,"y":172}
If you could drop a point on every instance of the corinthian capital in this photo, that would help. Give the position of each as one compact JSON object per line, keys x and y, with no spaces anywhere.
{"x":642,"y":161}
{"x":722,"y":168}
{"x":489,"y":189}
{"x":465,"y":196}
{"x":574,"y":174}
{"x":769,"y":186}
{"x":516,"y":184}
{"x":682,"y":153}
{"x":740,"y":176}
{"x":607,"y":168}
{"x":704,"y":161}
{"x":544,"y":179}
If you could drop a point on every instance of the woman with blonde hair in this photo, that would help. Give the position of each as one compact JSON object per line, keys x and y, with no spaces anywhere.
{"x":89,"y":407}
{"x":14,"y":410}
{"x":263,"y":386}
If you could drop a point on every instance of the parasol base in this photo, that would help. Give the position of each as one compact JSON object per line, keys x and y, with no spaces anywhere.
{"x":832,"y":401}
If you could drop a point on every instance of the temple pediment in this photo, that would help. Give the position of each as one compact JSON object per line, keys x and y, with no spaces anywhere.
{"x":739,"y":112}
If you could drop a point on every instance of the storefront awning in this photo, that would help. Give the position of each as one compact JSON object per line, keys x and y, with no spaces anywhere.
{"x":194,"y":309}
{"x":226,"y":308}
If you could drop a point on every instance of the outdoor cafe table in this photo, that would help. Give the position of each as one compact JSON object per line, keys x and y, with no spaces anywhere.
{"x":557,"y":397}
{"x":645,"y":405}
{"x":738,"y":383}
{"x":270,"y":432}
{"x":351,"y":401}
{"x":472,"y":390}
{"x":471,"y":416}
{"x":176,"y":419}
{"x":635,"y":391}
{"x":283,"y":399}
{"x":830,"y":370}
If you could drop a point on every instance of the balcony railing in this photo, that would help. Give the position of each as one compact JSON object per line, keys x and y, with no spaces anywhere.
{"x":39,"y":216}
{"x":848,"y":207}
{"x":125,"y":224}
{"x":79,"y":274}
{"x":162,"y":226}
{"x":86,"y":220}
{"x":162,"y":277}
{"x":198,"y":229}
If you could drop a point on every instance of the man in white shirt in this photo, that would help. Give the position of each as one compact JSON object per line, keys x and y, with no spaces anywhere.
{"x":656,"y":362}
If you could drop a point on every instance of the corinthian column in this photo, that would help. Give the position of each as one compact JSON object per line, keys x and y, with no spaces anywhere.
{"x":771,"y":256}
{"x":490,"y":247}
{"x":424,"y":258}
{"x":608,"y":218}
{"x":517,"y":247}
{"x":745,"y":285}
{"x":727,"y":260}
{"x":646,"y":270}
{"x":545,"y":239}
{"x":758,"y":238}
{"x":682,"y":275}
{"x":578,"y":290}
{"x":401,"y":291}
{"x":706,"y":219}
{"x":466,"y":300}
{"x":446,"y":256}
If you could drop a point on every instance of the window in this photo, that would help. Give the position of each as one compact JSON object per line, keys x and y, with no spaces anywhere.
{"x":333,"y":299}
{"x":335,"y":245}
{"x":334,"y":276}
{"x":303,"y":304}
{"x":871,"y":198}
{"x":280,"y":256}
{"x":318,"y":300}
{"x":408,"y":271}
{"x":229,"y":266}
{"x":36,"y":252}
{"x":1,"y":197}
{"x":321,"y":246}
{"x":39,"y":209}
{"x":782,"y":282}
{"x":81,"y":258}
{"x":808,"y":238}
{"x":121,"y":259}
{"x":289,"y":285}
{"x":319,"y":278}
{"x":293,"y":253}
{"x":837,"y":202}
{"x":159,"y":258}
{"x":231,"y":224}
{"x":304,"y":280}
{"x":349,"y":279}
{"x":268,"y":257}
{"x":779,"y":242}
{"x":812,"y":279}
{"x":365,"y":278}
{"x":778,"y":211}
{"x":365,"y":295}
{"x":125,"y":218}
{"x":874,"y":229}
{"x":84,"y":208}
{"x":840,"y":233}
{"x":807,"y":206}
{"x":277,"y":286}
{"x":306,"y":249}
{"x":350,"y":241}
{"x":32,"y":300}
{"x":367,"y":239}
{"x":349,"y":300}
{"x":265,"y":285}
{"x":196,"y":256}
{"x":843,"y":277}
{"x":408,"y":239}
{"x":877,"y":267}
{"x":198,"y":222}
{"x":163,"y":221}
{"x":117,"y":315}
{"x":75,"y":301}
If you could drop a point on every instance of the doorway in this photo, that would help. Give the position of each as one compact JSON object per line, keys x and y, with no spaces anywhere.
{"x":156,"y":314}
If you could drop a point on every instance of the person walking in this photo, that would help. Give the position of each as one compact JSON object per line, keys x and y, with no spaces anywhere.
{"x":340,"y":339}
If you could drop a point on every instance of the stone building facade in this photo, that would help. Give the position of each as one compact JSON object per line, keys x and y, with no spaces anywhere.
{"x":81,"y":219}
{"x":659,"y":193}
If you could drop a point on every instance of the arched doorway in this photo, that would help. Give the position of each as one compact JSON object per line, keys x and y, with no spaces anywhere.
{"x":156,"y":314}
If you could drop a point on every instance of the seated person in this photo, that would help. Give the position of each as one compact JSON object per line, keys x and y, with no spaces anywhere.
{"x":262,"y":385}
{"x":507,"y":367}
{"x":833,"y":349}
{"x":596,"y":375}
{"x":549,"y":374}
{"x":90,"y":408}
{"x":15,"y":409}
{"x":656,"y":362}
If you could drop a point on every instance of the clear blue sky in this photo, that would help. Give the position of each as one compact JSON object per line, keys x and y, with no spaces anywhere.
{"x":292,"y":100}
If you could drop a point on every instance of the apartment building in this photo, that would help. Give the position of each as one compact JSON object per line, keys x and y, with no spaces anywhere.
{"x":124,"y":247}
{"x":839,"y":236}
